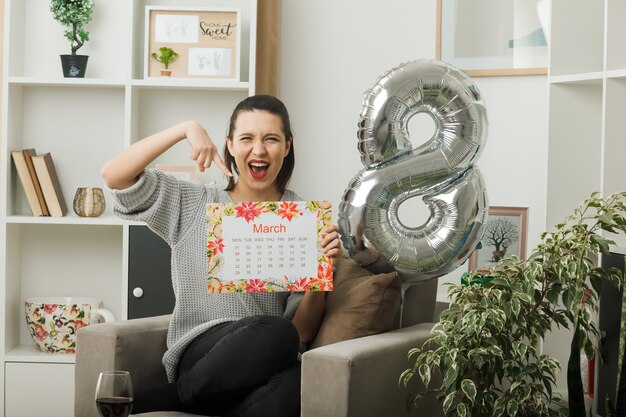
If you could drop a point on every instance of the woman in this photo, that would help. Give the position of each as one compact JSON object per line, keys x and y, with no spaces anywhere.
{"x":232,"y":354}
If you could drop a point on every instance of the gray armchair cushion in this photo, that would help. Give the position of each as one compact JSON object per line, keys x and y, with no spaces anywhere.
{"x":360,"y":377}
{"x":133,"y":345}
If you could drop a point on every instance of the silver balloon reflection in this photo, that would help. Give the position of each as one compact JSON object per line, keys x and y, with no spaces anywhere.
{"x":441,"y":171}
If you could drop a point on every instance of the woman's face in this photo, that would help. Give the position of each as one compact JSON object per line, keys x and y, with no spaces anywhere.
{"x":258,"y":146}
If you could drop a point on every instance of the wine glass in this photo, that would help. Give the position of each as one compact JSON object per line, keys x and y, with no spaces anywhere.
{"x":114,"y":394}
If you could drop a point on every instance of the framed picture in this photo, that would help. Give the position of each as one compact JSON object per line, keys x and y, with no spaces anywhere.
{"x":182,"y":172}
{"x":494,"y":37}
{"x":207,"y":41}
{"x":505,"y":234}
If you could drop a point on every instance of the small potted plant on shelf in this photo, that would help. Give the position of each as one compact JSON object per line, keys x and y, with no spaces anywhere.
{"x":74,"y":15}
{"x":166,"y":56}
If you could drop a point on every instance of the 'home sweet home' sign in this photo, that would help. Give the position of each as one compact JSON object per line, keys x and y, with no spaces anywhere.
{"x":207,"y":41}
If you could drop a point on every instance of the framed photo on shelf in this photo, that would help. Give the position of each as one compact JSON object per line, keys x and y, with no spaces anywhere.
{"x":494,"y":37}
{"x":505,"y":235}
{"x":182,"y":172}
{"x":207,"y":41}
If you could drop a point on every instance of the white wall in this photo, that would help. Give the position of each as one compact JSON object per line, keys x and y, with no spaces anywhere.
{"x":333,"y":51}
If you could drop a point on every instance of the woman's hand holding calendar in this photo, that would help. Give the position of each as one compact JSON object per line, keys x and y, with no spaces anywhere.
{"x":331,"y":243}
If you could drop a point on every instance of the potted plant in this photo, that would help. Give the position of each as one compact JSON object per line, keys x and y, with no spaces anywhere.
{"x":166,"y":56}
{"x":484,"y":346}
{"x":74,"y":15}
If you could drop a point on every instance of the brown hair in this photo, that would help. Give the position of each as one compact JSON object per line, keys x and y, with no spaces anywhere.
{"x":272,"y":105}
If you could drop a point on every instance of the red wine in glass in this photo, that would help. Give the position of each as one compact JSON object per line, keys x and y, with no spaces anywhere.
{"x":114,"y":406}
{"x":114,"y":394}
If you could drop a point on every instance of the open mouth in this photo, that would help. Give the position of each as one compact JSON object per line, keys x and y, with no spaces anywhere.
{"x":258,"y":169}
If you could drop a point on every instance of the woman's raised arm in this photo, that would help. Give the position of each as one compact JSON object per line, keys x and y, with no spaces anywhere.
{"x":122,"y":171}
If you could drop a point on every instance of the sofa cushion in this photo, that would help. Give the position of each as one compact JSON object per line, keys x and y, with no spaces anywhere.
{"x":371,"y":260}
{"x":361,"y":304}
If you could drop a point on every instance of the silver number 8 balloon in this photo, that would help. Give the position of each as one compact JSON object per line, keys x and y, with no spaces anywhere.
{"x":441,"y":170}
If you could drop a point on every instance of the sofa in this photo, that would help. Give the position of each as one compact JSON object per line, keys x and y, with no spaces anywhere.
{"x":352,"y":368}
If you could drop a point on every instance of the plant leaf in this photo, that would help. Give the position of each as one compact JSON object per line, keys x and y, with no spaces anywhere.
{"x":469,"y":389}
{"x":601,"y":242}
{"x":548,"y":385}
{"x":498,"y":407}
{"x":512,"y":407}
{"x":450,"y":378}
{"x":515,"y":385}
{"x":520,"y":348}
{"x":596,"y":283}
{"x":461,"y":410}
{"x":515,"y":306}
{"x":568,"y":297}
{"x":424,"y":371}
{"x":406,"y":376}
{"x":447,"y":403}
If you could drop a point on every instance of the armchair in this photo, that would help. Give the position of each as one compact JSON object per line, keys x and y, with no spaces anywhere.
{"x":357,"y":377}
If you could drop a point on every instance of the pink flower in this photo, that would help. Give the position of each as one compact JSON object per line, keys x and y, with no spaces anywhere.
{"x":288,"y":210}
{"x":40,"y":333}
{"x":256,"y":285}
{"x":248,"y":210}
{"x":50,"y":308}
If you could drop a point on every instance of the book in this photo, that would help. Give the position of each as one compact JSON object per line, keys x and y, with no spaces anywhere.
{"x":44,"y":166}
{"x":28,"y":157}
{"x":27,"y":182}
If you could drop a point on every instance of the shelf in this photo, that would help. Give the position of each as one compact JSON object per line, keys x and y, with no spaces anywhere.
{"x":194,"y":83}
{"x":617,"y":249}
{"x":589,"y":78}
{"x":621,"y":73}
{"x":31,"y":353}
{"x":105,"y":220}
{"x":66,"y":82}
{"x":159,"y":83}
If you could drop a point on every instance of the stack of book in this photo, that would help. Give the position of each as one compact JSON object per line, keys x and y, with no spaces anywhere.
{"x":40,"y":183}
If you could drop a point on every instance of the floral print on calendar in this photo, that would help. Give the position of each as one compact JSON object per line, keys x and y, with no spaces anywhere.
{"x":268,"y":246}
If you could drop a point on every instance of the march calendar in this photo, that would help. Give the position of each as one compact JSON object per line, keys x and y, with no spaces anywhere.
{"x":268,"y":246}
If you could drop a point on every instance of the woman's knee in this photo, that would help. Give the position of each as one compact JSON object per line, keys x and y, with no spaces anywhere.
{"x":280,"y":332}
{"x":279,"y":326}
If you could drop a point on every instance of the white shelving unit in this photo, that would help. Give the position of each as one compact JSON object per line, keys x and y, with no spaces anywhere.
{"x":83,"y":123}
{"x":587,"y":97}
{"x":587,"y":127}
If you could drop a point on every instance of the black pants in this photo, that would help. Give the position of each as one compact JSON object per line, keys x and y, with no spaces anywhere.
{"x":245,"y":368}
